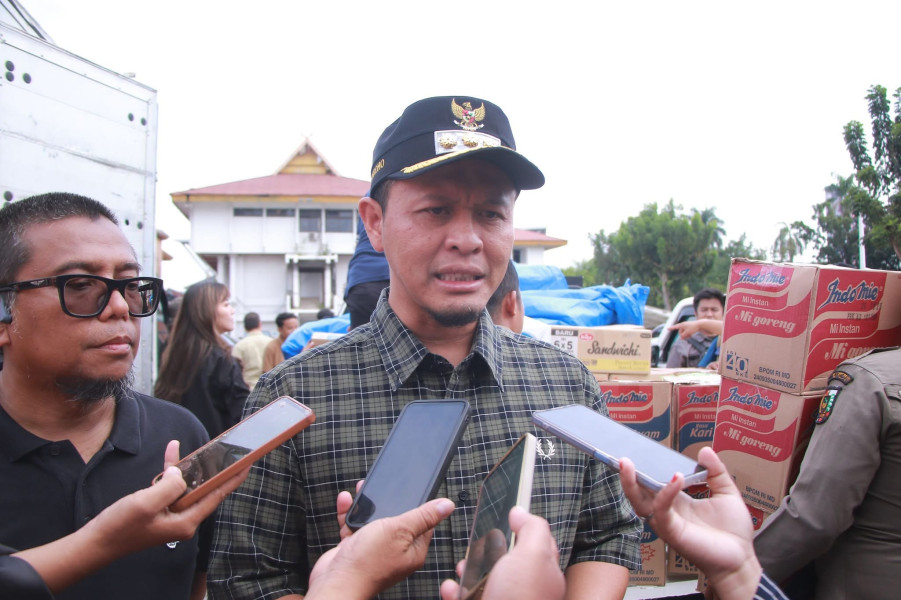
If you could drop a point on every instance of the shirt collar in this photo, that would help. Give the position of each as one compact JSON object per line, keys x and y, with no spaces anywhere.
{"x":16,"y":441}
{"x":402,"y":351}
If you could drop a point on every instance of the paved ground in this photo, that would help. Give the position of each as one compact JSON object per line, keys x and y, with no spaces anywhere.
{"x":675,"y":588}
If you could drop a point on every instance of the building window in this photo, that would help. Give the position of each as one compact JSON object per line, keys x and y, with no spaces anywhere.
{"x":280,"y":212}
{"x":310,"y":220}
{"x":339,"y":221}
{"x":247,"y":212}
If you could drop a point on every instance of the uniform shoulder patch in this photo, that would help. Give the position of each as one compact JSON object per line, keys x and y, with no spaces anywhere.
{"x":840,"y":376}
{"x":827,"y":404}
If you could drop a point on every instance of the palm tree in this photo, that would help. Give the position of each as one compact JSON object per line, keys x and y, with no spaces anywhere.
{"x":788,"y":244}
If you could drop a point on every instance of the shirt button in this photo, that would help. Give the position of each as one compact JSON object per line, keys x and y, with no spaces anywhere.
{"x":463,"y":496}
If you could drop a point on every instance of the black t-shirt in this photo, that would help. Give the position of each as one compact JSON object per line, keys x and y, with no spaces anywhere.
{"x":48,"y":492}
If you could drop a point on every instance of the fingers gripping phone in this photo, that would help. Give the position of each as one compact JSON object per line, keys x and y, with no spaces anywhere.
{"x":412,"y":463}
{"x":508,"y":484}
{"x":208,"y":466}
{"x":609,"y":441}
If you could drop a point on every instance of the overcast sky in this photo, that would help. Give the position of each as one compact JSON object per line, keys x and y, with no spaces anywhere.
{"x":735,"y":106}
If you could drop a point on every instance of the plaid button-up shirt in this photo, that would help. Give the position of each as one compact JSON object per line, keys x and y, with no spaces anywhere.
{"x":272,"y":530}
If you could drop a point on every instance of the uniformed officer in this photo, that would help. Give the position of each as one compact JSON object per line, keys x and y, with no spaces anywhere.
{"x":844,"y":510}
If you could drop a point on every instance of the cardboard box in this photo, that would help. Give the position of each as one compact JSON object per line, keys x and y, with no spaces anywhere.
{"x":694,"y":407}
{"x":653,"y":560}
{"x":660,"y":374}
{"x":787,"y":326}
{"x":609,"y":349}
{"x":642,"y":405}
{"x":761,"y":435}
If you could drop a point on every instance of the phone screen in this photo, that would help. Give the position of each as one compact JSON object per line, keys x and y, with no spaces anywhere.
{"x":608,"y":441}
{"x":413,"y":460}
{"x":279,"y":416}
{"x":507,"y":485}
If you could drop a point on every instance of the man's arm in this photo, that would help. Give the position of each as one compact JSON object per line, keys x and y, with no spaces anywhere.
{"x":840,"y":462}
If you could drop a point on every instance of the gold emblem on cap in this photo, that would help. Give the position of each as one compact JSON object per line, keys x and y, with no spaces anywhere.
{"x":468,"y":116}
{"x":447,"y":141}
{"x":470,"y":141}
{"x":378,"y":167}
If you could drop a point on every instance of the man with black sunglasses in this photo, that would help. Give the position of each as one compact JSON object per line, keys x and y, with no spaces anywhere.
{"x":74,"y":436}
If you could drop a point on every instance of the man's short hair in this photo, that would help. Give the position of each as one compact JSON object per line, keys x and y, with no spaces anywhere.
{"x":509,"y":283}
{"x":251,"y":321}
{"x":708,"y":293}
{"x":324,"y":313}
{"x":35,"y":210}
{"x":282,"y":317}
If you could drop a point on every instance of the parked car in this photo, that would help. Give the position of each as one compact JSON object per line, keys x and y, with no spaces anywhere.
{"x":662,"y":339}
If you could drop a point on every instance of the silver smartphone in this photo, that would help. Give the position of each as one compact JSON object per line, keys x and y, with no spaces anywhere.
{"x":508,"y":484}
{"x":609,"y":441}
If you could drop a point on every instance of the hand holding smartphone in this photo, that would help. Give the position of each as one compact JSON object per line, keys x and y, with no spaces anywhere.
{"x":411,"y":464}
{"x":608,"y":441}
{"x":508,"y":484}
{"x":207,"y":467}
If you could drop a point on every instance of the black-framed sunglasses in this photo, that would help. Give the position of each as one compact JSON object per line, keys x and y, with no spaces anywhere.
{"x":85,"y":296}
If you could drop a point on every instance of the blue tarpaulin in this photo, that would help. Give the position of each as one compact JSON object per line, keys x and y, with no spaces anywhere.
{"x":545,"y":296}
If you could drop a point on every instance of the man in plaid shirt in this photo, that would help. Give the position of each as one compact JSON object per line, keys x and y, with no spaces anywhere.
{"x":445,"y":179}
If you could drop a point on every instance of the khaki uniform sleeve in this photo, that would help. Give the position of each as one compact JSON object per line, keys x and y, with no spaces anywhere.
{"x":840,"y":462}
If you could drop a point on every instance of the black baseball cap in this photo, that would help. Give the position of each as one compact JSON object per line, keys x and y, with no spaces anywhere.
{"x":437,"y":131}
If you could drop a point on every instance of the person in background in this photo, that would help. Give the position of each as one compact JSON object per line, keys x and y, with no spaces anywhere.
{"x":286,"y":323}
{"x":74,"y":436}
{"x":505,"y":305}
{"x":250,"y":349}
{"x":367,"y":276}
{"x":709,"y":303}
{"x":198,"y":371}
{"x":324,"y":313}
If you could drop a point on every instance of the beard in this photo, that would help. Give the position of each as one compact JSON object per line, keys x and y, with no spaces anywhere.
{"x":456,"y":318}
{"x":88,"y":392}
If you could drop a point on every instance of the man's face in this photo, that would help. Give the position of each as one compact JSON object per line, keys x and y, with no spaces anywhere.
{"x":710,"y":308}
{"x":48,"y":346}
{"x":447,"y":235}
{"x":287,"y":327}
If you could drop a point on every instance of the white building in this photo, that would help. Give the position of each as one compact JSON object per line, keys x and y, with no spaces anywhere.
{"x":283,"y":242}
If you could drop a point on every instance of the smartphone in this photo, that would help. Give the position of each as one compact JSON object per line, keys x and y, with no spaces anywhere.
{"x":608,"y":441}
{"x":208,"y":466}
{"x":412,"y":463}
{"x":508,"y":484}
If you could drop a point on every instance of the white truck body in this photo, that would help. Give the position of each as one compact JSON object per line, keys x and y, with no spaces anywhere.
{"x":69,"y":125}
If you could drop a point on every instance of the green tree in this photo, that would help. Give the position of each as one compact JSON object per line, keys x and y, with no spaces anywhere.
{"x":789,"y":243}
{"x":835,"y":239}
{"x":718,"y":275}
{"x":878,"y":194}
{"x":665,"y":249}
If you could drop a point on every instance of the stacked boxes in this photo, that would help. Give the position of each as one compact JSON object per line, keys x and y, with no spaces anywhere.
{"x":788,"y":326}
{"x":761,"y":435}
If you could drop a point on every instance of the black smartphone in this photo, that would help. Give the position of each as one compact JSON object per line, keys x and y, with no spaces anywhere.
{"x":410,"y":466}
{"x":508,"y":484}
{"x":208,"y":466}
{"x":609,"y":441}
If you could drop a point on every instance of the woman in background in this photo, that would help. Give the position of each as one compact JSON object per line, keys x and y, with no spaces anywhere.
{"x":197,"y":369}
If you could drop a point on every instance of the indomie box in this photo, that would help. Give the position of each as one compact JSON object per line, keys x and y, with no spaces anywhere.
{"x":609,"y":349}
{"x":761,"y":435}
{"x":653,"y":560}
{"x":694,"y":405}
{"x":642,"y":405}
{"x":787,"y":326}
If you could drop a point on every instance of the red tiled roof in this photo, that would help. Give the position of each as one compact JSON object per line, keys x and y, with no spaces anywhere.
{"x":293,"y":184}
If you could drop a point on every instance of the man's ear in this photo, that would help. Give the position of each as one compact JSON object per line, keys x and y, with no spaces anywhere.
{"x":510,"y":306}
{"x":371,"y":213}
